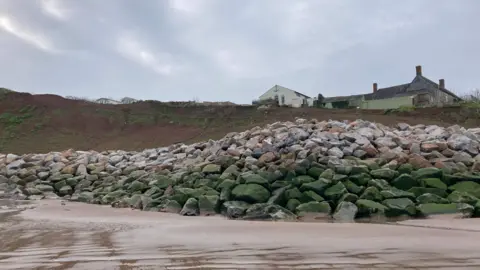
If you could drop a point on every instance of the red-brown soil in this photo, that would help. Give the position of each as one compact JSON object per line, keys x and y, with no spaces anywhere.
{"x":43,"y":123}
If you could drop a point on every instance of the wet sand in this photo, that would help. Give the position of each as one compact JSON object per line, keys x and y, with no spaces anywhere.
{"x":81,"y":236}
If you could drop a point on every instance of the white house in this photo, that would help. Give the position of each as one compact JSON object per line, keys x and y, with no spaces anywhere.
{"x":286,"y":96}
{"x":128,"y":100}
{"x":107,"y":101}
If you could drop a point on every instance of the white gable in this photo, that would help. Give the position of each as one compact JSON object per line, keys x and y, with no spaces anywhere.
{"x":286,"y":96}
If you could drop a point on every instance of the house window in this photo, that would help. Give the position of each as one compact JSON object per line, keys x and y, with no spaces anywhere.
{"x":283,"y":100}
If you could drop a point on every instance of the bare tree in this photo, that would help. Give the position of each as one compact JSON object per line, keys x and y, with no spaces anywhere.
{"x":473,"y":96}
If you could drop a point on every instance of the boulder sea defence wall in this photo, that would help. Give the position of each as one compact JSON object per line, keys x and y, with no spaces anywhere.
{"x":283,"y":171}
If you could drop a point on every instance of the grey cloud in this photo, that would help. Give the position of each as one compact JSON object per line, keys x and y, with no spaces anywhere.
{"x":235,"y":50}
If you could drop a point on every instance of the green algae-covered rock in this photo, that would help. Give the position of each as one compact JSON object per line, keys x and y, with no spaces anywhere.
{"x":394,"y":193}
{"x":74,"y":180}
{"x":161,"y":181}
{"x":264,"y":211}
{"x":360,"y":169}
{"x":476,"y":213}
{"x":328,"y":174}
{"x":360,"y":179}
{"x":336,"y":191}
{"x":58,"y":185}
{"x":466,"y":209}
{"x":65,"y":190}
{"x":339,"y":178}
{"x":113,"y":196}
{"x":424,"y":173}
{"x":381,"y":184}
{"x":462,"y":197}
{"x":170,"y":206}
{"x":368,"y":208}
{"x":428,"y":209}
{"x":302,"y":179}
{"x":226,"y":184}
{"x":318,"y":186}
{"x":135,"y":201}
{"x":431,"y":198}
{"x":384,"y":173}
{"x":137,"y":186}
{"x":225,"y":194}
{"x":278,"y":197}
{"x":405,"y":182}
{"x":208,"y":204}
{"x":353,"y":188}
{"x":310,"y":195}
{"x":292,"y":204}
{"x":434,"y":183}
{"x":190,"y":208}
{"x":460,"y":177}
{"x":85,"y":196}
{"x":232,"y":169}
{"x":400,"y":206}
{"x":234,"y":209}
{"x":251,"y":178}
{"x":348,"y":197}
{"x":293,"y":193}
{"x":279,"y":184}
{"x":181,"y":195}
{"x":251,"y":193}
{"x":205,"y":182}
{"x":343,"y":169}
{"x":372,"y":164}
{"x":372,"y":194}
{"x":212,"y":168}
{"x":153,"y":191}
{"x":315,"y":172}
{"x":405,"y":168}
{"x":467,"y":186}
{"x":422,"y":190}
{"x":313,"y":208}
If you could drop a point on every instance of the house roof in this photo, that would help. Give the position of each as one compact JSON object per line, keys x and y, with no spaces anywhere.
{"x":387,"y":92}
{"x":418,"y":84}
{"x":437,"y":86}
{"x":298,"y":93}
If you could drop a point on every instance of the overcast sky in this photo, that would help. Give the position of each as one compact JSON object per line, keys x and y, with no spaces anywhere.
{"x":219,"y":50}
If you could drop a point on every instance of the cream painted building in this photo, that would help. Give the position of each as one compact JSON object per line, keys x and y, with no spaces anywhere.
{"x":286,"y":96}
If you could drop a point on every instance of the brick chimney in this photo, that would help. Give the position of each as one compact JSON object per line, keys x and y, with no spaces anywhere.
{"x":441,"y":84}
{"x":419,"y":70}
{"x":375,"y":87}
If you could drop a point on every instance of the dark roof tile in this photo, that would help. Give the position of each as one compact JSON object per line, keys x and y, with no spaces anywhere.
{"x":418,"y":85}
{"x":388,"y":92}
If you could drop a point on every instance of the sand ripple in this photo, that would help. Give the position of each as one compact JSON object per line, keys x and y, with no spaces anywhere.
{"x":91,"y":237}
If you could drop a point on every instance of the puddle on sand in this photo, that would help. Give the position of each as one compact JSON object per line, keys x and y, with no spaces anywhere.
{"x":105,"y":240}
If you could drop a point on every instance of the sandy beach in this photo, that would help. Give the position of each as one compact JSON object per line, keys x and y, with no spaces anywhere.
{"x":82,"y":236}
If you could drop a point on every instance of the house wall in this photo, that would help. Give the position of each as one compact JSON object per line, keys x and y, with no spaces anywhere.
{"x":291,"y":98}
{"x":432,"y":97}
{"x":436,"y":96}
{"x":356,"y":102}
{"x":440,"y":97}
{"x":388,"y":103}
